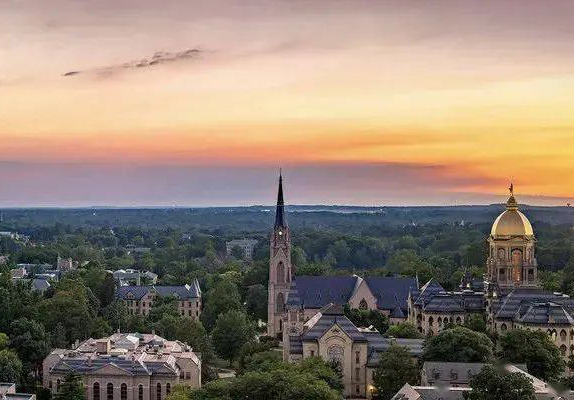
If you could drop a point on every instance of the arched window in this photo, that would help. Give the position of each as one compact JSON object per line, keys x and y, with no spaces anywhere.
{"x":124,"y":392}
{"x":501,"y":254}
{"x":458,"y":320}
{"x":363,"y":305}
{"x":439,"y":321}
{"x":563,"y":350}
{"x":280,"y":272}
{"x":280,"y":303}
{"x":158,"y":392}
{"x":517,"y":265}
{"x":563,"y":335}
{"x":572,"y":350}
{"x":336,"y":353}
{"x":140,"y":392}
{"x":503,"y":327}
{"x":96,"y":391}
{"x":167,"y":389}
{"x":431,"y":320}
{"x":110,"y":391}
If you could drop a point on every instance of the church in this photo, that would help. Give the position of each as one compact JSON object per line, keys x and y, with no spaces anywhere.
{"x":306,"y":312}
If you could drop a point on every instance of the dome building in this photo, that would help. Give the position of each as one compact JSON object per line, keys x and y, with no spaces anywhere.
{"x":511,"y":261}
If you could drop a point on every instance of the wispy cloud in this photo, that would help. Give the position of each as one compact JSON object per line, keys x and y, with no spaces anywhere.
{"x":159,"y":57}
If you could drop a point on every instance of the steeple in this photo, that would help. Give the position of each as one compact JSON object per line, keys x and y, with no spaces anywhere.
{"x":280,"y":221}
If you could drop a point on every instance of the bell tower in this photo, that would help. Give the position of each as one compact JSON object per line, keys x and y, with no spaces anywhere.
{"x":280,"y":270}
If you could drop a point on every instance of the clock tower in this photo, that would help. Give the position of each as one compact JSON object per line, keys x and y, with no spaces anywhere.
{"x":280,"y":270}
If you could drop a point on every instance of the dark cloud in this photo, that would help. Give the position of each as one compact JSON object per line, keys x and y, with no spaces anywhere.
{"x":160,"y":57}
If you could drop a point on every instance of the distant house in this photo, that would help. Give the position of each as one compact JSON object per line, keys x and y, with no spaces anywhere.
{"x":8,"y":392}
{"x":139,"y":299}
{"x":127,"y":277}
{"x":131,"y":249}
{"x":247,"y":245}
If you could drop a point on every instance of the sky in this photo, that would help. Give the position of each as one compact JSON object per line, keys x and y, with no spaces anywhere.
{"x":145,"y":102}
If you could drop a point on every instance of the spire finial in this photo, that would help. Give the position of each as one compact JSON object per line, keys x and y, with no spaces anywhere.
{"x":280,"y":211}
{"x":511,"y":189}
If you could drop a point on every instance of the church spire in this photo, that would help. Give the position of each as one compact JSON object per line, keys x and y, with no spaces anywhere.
{"x":280,"y":221}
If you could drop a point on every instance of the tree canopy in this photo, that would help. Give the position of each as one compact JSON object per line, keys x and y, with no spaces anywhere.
{"x":493,"y":383}
{"x":458,"y":344}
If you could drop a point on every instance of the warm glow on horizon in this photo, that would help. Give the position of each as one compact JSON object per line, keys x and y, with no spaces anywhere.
{"x":473,"y":99}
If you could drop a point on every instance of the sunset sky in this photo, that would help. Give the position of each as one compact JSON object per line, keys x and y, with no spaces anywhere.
{"x":141,"y":102}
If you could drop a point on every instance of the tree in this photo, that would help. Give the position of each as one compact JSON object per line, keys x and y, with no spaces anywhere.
{"x":72,"y":388}
{"x":256,"y":302}
{"x":366,"y":318}
{"x":403,"y":330}
{"x":493,"y":383}
{"x":10,"y":366}
{"x":458,"y":344}
{"x":218,"y":300}
{"x":117,"y":315}
{"x":476,"y":323}
{"x":3,"y":341}
{"x":394,"y":370}
{"x":231,"y":332}
{"x":238,"y":252}
{"x":323,"y":371}
{"x":28,"y":338}
{"x":534,"y":348}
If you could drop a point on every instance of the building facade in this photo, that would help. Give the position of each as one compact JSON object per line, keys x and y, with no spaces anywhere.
{"x":247,"y":245}
{"x":125,"y":367}
{"x":140,"y":299}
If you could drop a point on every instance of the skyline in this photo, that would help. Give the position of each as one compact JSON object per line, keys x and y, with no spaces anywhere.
{"x":361,"y":102}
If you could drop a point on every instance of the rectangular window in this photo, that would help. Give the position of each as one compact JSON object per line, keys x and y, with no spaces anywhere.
{"x":312,"y":353}
{"x":358,"y":374}
{"x":357,"y":357}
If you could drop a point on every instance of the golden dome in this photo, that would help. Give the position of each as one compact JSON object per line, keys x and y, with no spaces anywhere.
{"x":512,"y":222}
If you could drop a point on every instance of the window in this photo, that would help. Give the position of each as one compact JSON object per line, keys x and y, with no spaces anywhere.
{"x":58,"y":385}
{"x":167,"y":389}
{"x":124,"y":391}
{"x":110,"y":391}
{"x":312,"y":353}
{"x":158,"y":391}
{"x":96,"y":391}
{"x":357,"y":356}
{"x":280,"y":302}
{"x":358,"y":374}
{"x":140,"y":392}
{"x":503,"y":327}
{"x":357,"y":389}
{"x":563,"y":350}
{"x":50,"y":385}
{"x":563,"y":335}
{"x":336,"y":353}
{"x":363,"y":305}
{"x":280,"y":272}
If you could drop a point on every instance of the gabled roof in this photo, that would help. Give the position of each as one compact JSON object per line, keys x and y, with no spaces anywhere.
{"x":390,"y":290}
{"x":182,"y":292}
{"x":544,"y":314}
{"x":318,"y":291}
{"x":431,"y":288}
{"x":443,"y":302}
{"x":327,"y":318}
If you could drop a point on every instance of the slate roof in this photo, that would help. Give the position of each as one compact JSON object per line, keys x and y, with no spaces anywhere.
{"x":192,"y":291}
{"x":444,"y":302}
{"x":331,"y":315}
{"x":318,"y":291}
{"x":408,"y":392}
{"x":391,"y":290}
{"x":508,"y":306}
{"x":544,"y":314}
{"x":377,"y":344}
{"x":430,"y":289}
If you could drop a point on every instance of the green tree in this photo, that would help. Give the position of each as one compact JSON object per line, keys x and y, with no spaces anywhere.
{"x":218,"y":300}
{"x":71,"y":388}
{"x":403,"y":330}
{"x":3,"y":341}
{"x":458,"y":344}
{"x":28,"y":338}
{"x":238,"y":252}
{"x":322,"y":371}
{"x":493,"y":383}
{"x":475,"y":322}
{"x":395,"y":368}
{"x":117,"y":315}
{"x":10,"y":366}
{"x":256,"y":302}
{"x":232,"y":330}
{"x":536,"y":350}
{"x":366,"y":318}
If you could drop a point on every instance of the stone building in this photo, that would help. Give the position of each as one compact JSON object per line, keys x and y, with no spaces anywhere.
{"x":247,"y":245}
{"x":8,"y":392}
{"x":125,"y":367}
{"x":139,"y":299}
{"x":304,"y":296}
{"x":329,"y":334}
